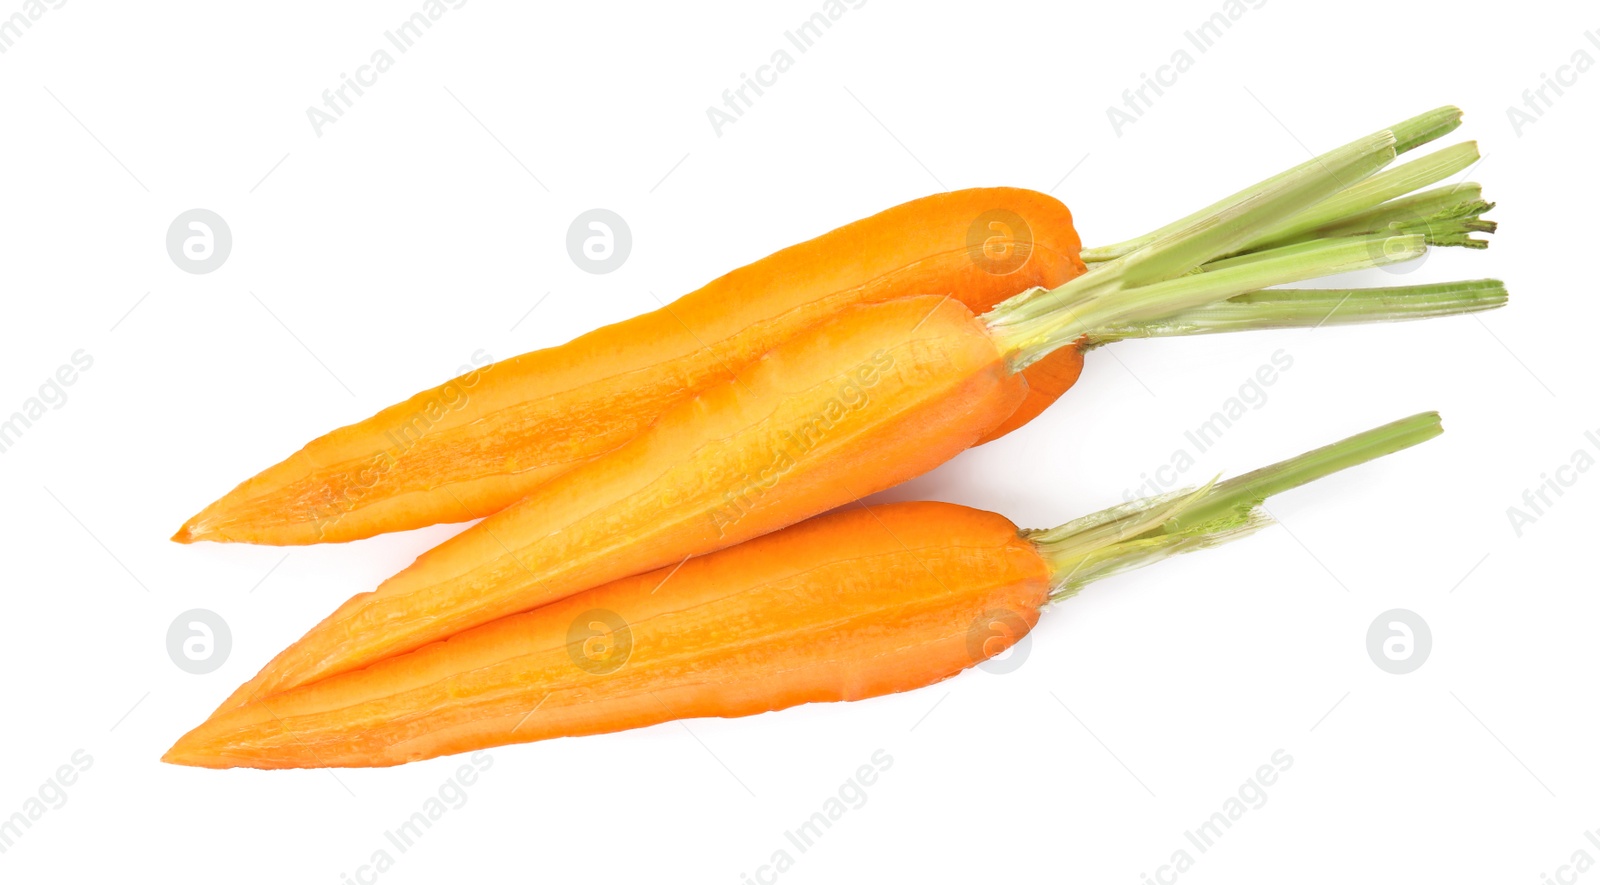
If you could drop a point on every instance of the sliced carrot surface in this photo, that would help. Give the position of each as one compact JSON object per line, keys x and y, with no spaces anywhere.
{"x":474,"y":445}
{"x":907,"y":594}
{"x":874,"y":396}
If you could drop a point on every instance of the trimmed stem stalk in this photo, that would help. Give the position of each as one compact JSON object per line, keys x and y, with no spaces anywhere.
{"x":1229,"y":230}
{"x":1142,"y":532}
{"x":1028,"y":340}
{"x":1447,"y":216}
{"x":1374,"y":191}
{"x":1238,"y":249}
{"x":1209,"y":237}
{"x":1313,"y":308}
{"x":1409,"y":134}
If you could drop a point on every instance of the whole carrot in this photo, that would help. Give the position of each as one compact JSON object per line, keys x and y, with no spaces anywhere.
{"x":850,"y":605}
{"x":859,"y":403}
{"x":474,"y":445}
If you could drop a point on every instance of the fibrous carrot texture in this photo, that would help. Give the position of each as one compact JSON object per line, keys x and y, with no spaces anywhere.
{"x":470,"y":447}
{"x":846,"y":606}
{"x":870,"y":396}
{"x":876,"y":395}
{"x":477,"y":443}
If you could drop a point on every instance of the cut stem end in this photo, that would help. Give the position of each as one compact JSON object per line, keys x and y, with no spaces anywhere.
{"x":1149,"y":530}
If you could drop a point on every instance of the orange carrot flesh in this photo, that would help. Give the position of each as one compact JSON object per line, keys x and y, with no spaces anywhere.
{"x":479,"y":442}
{"x":849,"y":605}
{"x":874,"y":396}
{"x":1048,"y":379}
{"x":476,"y":444}
{"x":905,"y":595}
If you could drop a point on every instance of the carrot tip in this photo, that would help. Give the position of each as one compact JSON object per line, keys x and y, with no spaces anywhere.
{"x":199,"y":528}
{"x":177,"y":756}
{"x":190,"y":750}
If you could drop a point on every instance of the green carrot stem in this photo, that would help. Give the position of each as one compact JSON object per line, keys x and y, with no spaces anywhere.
{"x":1141,"y":532}
{"x":1193,"y":245}
{"x":1249,"y":490}
{"x":1290,"y":228}
{"x":1027,"y":340}
{"x":1446,"y":216}
{"x":1301,"y":308}
{"x":1228,"y":231}
{"x":1409,"y":134}
{"x":1425,"y":128}
{"x":1374,"y":191}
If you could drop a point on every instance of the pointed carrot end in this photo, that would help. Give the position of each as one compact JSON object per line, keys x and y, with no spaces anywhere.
{"x":190,"y":751}
{"x":199,"y":527}
{"x":205,"y":746}
{"x":203,"y":526}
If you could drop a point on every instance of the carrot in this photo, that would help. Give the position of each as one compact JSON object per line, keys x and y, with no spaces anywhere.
{"x":850,"y":605}
{"x":873,"y":396}
{"x":479,"y":442}
{"x":888,"y":392}
{"x":475,"y":444}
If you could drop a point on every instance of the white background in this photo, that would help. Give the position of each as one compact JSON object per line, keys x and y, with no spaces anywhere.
{"x":374,"y":260}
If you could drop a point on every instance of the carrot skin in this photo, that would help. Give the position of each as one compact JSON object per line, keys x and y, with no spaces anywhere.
{"x":852,"y":604}
{"x":907,"y":595}
{"x":874,"y":396}
{"x":478,"y":443}
{"x":1048,"y":379}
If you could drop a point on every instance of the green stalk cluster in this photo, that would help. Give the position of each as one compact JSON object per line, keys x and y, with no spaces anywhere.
{"x":1343,"y":211}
